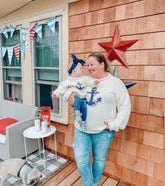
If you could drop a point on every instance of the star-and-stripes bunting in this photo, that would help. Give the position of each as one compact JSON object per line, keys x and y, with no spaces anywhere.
{"x":32,"y":31}
{"x":26,"y":35}
{"x":51,"y":23}
{"x":27,"y":43}
{"x":3,"y":51}
{"x":17,"y":50}
{"x":12,"y":29}
{"x":10,"y":54}
{"x":4,"y":31}
{"x":38,"y":30}
{"x":9,"y":50}
{"x":22,"y":49}
{"x":24,"y":32}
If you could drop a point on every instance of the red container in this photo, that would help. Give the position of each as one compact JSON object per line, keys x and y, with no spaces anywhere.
{"x":45,"y":115}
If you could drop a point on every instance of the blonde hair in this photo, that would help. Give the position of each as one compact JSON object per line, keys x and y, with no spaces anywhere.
{"x":101,"y":59}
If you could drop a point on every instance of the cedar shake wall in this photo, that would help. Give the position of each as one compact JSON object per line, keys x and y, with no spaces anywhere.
{"x":137,"y":154}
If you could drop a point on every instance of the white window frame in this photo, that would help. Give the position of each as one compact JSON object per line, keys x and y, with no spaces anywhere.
{"x":62,"y":117}
{"x":2,"y":70}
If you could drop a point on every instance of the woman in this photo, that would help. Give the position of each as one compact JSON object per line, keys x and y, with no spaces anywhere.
{"x":108,"y":110}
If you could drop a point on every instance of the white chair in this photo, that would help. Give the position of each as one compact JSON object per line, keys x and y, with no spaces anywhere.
{"x":13,"y":145}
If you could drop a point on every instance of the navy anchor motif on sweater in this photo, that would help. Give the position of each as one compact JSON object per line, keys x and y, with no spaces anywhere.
{"x":93,"y":101}
{"x":80,"y":86}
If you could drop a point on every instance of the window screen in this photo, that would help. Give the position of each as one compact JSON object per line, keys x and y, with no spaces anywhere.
{"x":47,"y":66}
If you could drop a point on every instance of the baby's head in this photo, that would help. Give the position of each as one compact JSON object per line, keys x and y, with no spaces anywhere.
{"x":75,"y":68}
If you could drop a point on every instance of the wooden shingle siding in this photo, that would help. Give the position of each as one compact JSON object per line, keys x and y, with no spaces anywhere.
{"x":127,"y":27}
{"x":137,"y":154}
{"x":145,"y":42}
{"x":127,"y":12}
{"x":146,"y":122}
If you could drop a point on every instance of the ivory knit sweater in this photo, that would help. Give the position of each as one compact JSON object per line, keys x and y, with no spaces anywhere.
{"x":70,"y":84}
{"x":110,"y":102}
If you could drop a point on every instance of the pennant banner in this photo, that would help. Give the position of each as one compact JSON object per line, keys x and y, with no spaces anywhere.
{"x":27,"y":43}
{"x":17,"y":49}
{"x":35,"y":28}
{"x":24,"y":32}
{"x":3,"y":51}
{"x":10,"y":54}
{"x":33,"y":25}
{"x":51,"y":23}
{"x":32,"y":31}
{"x":12,"y":29}
{"x":4,"y":31}
{"x":38,"y":30}
{"x":22,"y":48}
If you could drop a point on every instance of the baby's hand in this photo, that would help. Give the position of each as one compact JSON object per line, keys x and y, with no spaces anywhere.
{"x":96,"y":82}
{"x":53,"y":95}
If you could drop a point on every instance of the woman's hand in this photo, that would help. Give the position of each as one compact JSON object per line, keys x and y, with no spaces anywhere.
{"x":71,"y":99}
{"x":106,"y":123}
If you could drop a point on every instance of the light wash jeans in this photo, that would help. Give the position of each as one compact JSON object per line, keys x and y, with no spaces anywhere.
{"x":99,"y":144}
{"x":80,"y":104}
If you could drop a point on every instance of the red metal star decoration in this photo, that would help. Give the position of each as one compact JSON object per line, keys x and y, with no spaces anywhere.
{"x":116,"y":48}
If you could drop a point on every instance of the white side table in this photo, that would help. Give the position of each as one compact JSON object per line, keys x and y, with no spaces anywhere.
{"x":31,"y":133}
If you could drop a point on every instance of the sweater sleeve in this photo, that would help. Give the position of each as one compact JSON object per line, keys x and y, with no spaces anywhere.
{"x":123,"y":105}
{"x":61,"y":89}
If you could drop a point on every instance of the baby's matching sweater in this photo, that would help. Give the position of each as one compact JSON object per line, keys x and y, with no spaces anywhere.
{"x":70,"y":84}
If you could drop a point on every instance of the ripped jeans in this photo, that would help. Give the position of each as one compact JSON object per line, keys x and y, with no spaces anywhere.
{"x":99,"y":144}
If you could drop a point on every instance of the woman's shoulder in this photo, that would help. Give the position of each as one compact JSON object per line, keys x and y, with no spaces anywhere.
{"x":115,"y":81}
{"x":111,"y":78}
{"x":119,"y":85}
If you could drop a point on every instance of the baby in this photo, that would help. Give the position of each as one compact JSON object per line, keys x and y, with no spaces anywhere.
{"x":76,"y":82}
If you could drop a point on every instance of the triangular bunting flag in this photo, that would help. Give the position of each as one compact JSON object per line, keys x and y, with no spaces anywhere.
{"x":3,"y":51}
{"x":27,"y":43}
{"x":33,"y":25}
{"x":51,"y":23}
{"x":12,"y":29}
{"x":24,"y":32}
{"x":4,"y":31}
{"x":38,"y":30}
{"x":32,"y":31}
{"x":22,"y":48}
{"x":10,"y":54}
{"x":17,"y":49}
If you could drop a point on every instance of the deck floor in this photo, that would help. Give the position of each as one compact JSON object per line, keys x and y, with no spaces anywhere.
{"x":69,"y":175}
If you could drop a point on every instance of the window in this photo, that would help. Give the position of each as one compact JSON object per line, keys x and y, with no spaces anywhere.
{"x":47,"y":66}
{"x":12,"y":73}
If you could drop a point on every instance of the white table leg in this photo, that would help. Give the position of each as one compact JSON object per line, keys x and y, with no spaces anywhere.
{"x":25,"y":147}
{"x":55,"y":145}
{"x":39,"y":147}
{"x":43,"y":148}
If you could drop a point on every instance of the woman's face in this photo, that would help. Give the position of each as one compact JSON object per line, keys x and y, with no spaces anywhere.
{"x":95,"y":68}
